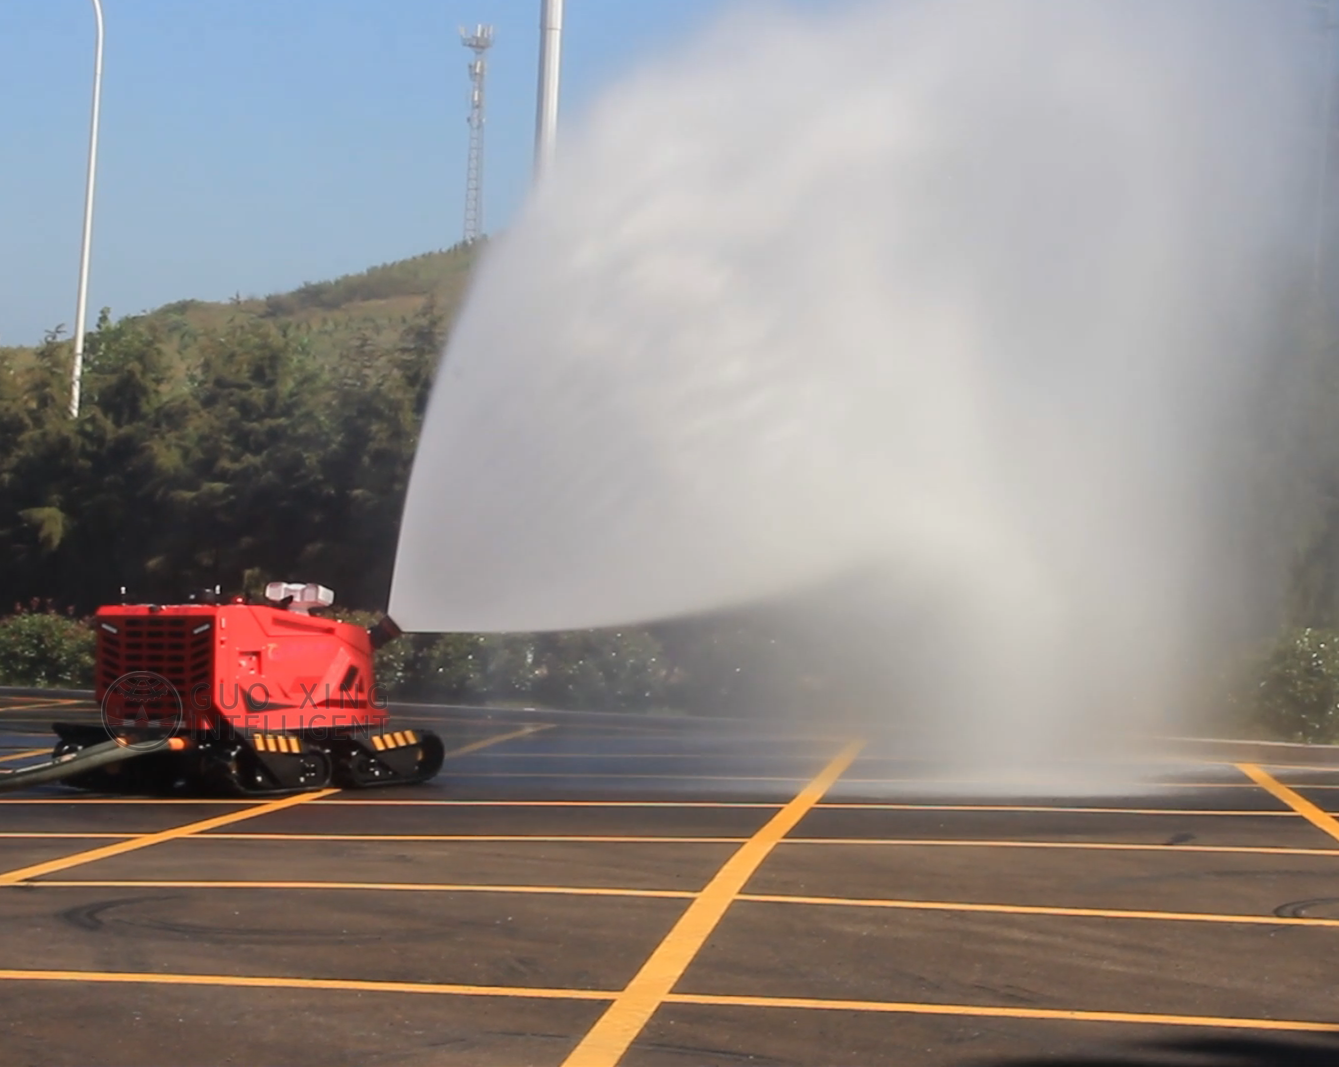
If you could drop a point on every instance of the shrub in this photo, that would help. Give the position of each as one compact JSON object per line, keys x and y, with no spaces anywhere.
{"x":1296,"y":691}
{"x":455,"y":667}
{"x":43,"y":648}
{"x":601,"y":670}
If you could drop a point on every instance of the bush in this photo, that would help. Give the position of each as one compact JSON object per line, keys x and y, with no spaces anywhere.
{"x":600,"y":670}
{"x":1296,"y":691}
{"x":43,"y":648}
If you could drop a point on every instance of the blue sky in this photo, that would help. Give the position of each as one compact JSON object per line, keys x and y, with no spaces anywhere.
{"x":251,"y":145}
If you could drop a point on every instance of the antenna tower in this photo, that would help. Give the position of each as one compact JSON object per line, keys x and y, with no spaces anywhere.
{"x":479,"y":42}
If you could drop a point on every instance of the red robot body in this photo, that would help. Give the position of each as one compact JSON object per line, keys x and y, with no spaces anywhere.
{"x":249,"y":699}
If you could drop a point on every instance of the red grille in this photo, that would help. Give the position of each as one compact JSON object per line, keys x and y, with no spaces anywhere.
{"x":179,"y":648}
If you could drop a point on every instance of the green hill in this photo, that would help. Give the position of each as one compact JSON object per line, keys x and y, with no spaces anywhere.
{"x":324,"y":317}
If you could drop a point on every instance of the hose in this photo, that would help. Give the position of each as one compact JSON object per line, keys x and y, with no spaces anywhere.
{"x":72,"y":763}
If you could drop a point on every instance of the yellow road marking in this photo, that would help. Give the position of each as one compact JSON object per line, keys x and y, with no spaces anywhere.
{"x":25,"y":754}
{"x":607,"y":839}
{"x":488,"y":742}
{"x":47,"y":704}
{"x":668,"y":774}
{"x":630,"y":839}
{"x":1029,"y":909}
{"x":341,"y":801}
{"x":1146,"y":786}
{"x":1044,"y":788}
{"x":304,"y":983}
{"x":991,"y":1012}
{"x":1112,"y":846}
{"x":391,"y":887}
{"x":825,"y":806}
{"x":1320,"y":819}
{"x":702,"y":999}
{"x":23,"y":874}
{"x":1299,"y":785}
{"x":607,"y":1041}
{"x":565,"y":803}
{"x":773,"y":804}
{"x":42,"y":834}
{"x":777,"y":757}
{"x":1322,"y":768}
{"x":685,"y":894}
{"x":128,"y":800}
{"x":1045,"y":808}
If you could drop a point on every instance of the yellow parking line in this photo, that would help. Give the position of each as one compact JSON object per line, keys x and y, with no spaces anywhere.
{"x":53,"y":834}
{"x":793,"y":757}
{"x":1319,"y":768}
{"x":488,"y":742}
{"x":341,"y":801}
{"x":1101,"y":846}
{"x":607,"y":839}
{"x":23,"y":874}
{"x":25,"y":754}
{"x":800,"y":778}
{"x":46,"y":705}
{"x":607,"y":1041}
{"x":1029,"y":909}
{"x":1043,"y":788}
{"x":686,"y":894}
{"x":389,"y":887}
{"x":1046,"y":808}
{"x":247,"y":982}
{"x":1299,"y":785}
{"x":991,"y":1012}
{"x":773,"y":804}
{"x":667,"y":775}
{"x":1320,"y":819}
{"x":703,"y":999}
{"x":653,"y":839}
{"x":128,"y":800}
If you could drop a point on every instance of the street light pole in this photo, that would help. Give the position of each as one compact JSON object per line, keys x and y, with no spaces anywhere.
{"x":1324,"y":138}
{"x":550,"y":60}
{"x":81,"y":310}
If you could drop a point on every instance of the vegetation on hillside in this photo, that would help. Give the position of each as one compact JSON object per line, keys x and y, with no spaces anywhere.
{"x":272,"y":438}
{"x":224,"y":446}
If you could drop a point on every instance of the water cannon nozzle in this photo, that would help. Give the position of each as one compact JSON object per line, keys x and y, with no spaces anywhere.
{"x":384,"y":632}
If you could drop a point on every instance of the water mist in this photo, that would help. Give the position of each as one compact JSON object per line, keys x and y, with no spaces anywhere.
{"x":959,"y":297}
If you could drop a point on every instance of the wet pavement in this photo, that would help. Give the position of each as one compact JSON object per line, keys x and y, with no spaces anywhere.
{"x":587,"y":890}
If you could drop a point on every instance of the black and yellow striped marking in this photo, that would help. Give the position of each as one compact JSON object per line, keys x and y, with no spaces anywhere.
{"x":276,"y":743}
{"x":399,"y":739}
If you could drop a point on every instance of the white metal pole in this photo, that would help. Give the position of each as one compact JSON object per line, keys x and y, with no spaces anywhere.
{"x":550,"y":61}
{"x":80,"y":315}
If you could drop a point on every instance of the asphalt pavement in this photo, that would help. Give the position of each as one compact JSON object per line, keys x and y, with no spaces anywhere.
{"x":577,"y":891}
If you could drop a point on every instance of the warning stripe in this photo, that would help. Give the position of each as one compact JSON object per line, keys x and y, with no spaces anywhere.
{"x":276,"y":743}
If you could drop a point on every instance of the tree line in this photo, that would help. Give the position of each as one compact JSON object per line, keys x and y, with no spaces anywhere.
{"x":254,"y":456}
{"x":254,"y":459}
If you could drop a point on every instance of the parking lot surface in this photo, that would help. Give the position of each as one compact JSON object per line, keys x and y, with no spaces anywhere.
{"x":652,"y":892}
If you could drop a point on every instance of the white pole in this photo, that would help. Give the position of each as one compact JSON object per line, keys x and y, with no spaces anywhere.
{"x":1324,"y":141}
{"x":80,"y":315}
{"x":550,"y":60}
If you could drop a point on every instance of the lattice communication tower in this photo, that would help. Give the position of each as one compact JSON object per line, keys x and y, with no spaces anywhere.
{"x":478,"y":41}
